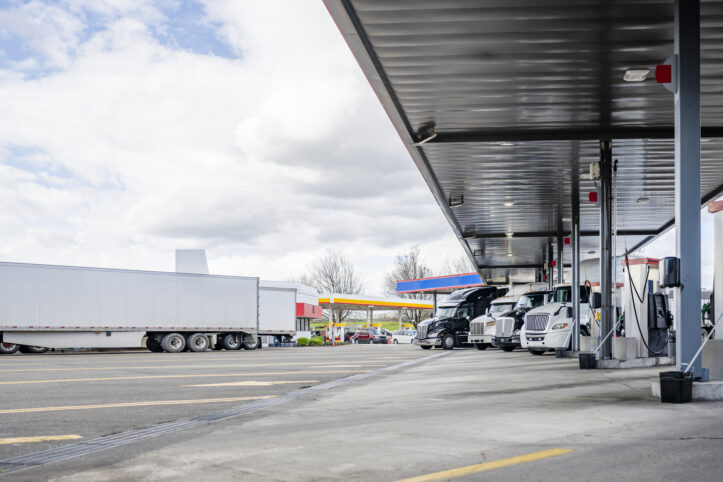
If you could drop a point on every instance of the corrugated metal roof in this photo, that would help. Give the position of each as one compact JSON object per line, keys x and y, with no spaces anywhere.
{"x":519,"y":94}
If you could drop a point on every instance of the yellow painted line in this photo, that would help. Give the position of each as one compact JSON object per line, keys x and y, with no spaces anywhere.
{"x":484,"y":467}
{"x":180,"y":367}
{"x":155,"y":377}
{"x":133,"y":404}
{"x":252,"y":383}
{"x":42,"y":438}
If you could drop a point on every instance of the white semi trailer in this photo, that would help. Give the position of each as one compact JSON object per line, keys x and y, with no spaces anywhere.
{"x":71,"y":307}
{"x":277,"y":309}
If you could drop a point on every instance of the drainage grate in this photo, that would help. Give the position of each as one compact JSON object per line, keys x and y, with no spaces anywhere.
{"x":110,"y":441}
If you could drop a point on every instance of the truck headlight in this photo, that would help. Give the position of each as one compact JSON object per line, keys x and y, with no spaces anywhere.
{"x":559,"y":326}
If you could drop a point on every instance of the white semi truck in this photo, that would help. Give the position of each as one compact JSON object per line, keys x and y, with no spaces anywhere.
{"x":48,"y":306}
{"x":482,"y":328}
{"x":550,"y":326}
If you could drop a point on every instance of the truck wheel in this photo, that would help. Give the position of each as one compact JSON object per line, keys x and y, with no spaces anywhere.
{"x":425,"y":347}
{"x":508,"y":348}
{"x":250,"y":345}
{"x":536,"y":352}
{"x":448,"y":342}
{"x":197,"y":342}
{"x":153,"y":345}
{"x":8,"y":348}
{"x":232,"y":341}
{"x":32,"y":349}
{"x":173,"y":343}
{"x":481,"y":346}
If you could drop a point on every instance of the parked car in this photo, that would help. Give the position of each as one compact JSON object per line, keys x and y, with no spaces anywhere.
{"x":404,"y":336}
{"x":369,"y":335}
{"x":348,"y":335}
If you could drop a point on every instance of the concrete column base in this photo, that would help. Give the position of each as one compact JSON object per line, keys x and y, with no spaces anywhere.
{"x":637,"y":362}
{"x":702,"y":391}
{"x":625,"y":348}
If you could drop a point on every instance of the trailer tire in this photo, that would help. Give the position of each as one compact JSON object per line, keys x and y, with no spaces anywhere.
{"x":153,"y":345}
{"x":536,"y":352}
{"x":8,"y":348}
{"x":232,"y":341}
{"x":481,"y":346}
{"x":32,"y":349}
{"x":173,"y":343}
{"x":508,"y":348}
{"x":251,"y":345}
{"x":197,"y":342}
{"x":425,"y":347}
{"x":448,"y":342}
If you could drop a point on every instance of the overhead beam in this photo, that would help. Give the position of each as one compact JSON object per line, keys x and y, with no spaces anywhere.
{"x":551,"y":234}
{"x":506,"y":135}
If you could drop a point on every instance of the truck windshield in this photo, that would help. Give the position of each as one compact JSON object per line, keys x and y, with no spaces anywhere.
{"x":446,"y":311}
{"x":498,"y":308}
{"x":563,"y":294}
{"x":531,"y":301}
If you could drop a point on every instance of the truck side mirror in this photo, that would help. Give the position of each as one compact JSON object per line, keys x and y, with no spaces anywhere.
{"x":595,"y":301}
{"x":467,"y":317}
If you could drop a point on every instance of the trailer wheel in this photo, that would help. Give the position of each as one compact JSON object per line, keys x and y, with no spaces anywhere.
{"x":232,"y":341}
{"x":173,"y":343}
{"x":8,"y":348}
{"x":153,"y":345}
{"x":251,"y":345}
{"x":32,"y":349}
{"x":197,"y":342}
{"x":508,"y":348}
{"x":481,"y":346}
{"x":448,"y":342}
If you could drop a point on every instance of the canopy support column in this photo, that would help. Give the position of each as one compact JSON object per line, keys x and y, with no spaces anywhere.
{"x":575,"y":264}
{"x":434,"y":303}
{"x":606,"y":260}
{"x":559,"y":258}
{"x":687,"y":182}
{"x":550,"y":282}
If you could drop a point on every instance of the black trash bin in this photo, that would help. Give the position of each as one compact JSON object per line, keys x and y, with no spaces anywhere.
{"x":587,"y":361}
{"x":676,"y":387}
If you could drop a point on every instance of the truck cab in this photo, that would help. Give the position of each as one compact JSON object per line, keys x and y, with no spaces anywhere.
{"x":450,"y":326}
{"x":550,"y":326}
{"x":482,"y":328}
{"x":507,"y":328}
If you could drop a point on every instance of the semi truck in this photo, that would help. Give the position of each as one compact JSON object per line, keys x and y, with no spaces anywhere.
{"x":46,"y":306}
{"x":506,"y":333}
{"x":482,"y":328}
{"x":277,"y":310}
{"x":450,"y":326}
{"x":550,"y":326}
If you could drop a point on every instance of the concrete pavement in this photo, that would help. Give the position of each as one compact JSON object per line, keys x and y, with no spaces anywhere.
{"x":462,"y":409}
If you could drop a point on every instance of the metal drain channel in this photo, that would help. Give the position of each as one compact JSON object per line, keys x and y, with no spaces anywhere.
{"x":79,"y":449}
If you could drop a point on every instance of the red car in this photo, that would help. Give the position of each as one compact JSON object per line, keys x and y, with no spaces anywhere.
{"x":368,"y":335}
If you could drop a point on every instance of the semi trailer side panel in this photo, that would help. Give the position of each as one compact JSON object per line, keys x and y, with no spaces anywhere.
{"x":62,"y":299}
{"x":277,"y":311}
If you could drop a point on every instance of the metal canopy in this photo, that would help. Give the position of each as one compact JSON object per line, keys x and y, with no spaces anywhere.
{"x":518,"y":95}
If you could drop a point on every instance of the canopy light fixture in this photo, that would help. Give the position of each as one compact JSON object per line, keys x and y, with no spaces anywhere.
{"x":455,"y":201}
{"x":642,"y":200}
{"x":592,"y":252}
{"x":478,"y":252}
{"x":508,"y":204}
{"x":506,"y":144}
{"x":426,"y":133}
{"x":566,"y":220}
{"x":636,"y":75}
{"x":509,"y":234}
{"x":509,"y":255}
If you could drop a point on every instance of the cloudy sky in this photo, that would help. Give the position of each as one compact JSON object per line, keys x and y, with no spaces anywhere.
{"x":130,"y":128}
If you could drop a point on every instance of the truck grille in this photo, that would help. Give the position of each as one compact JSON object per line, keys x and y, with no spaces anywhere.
{"x":476,"y":328}
{"x":422,"y":331}
{"x":504,"y":327}
{"x":537,"y":321}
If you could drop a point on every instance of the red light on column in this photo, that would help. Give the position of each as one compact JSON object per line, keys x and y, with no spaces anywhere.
{"x":553,"y":263}
{"x":544,"y":278}
{"x":567,"y":240}
{"x":664,"y":74}
{"x":592,"y":196}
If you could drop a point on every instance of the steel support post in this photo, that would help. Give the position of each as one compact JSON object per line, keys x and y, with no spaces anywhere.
{"x":550,"y":281}
{"x":687,"y":181}
{"x":575,"y":235}
{"x":606,"y":258}
{"x":559,"y":259}
{"x":434,"y":304}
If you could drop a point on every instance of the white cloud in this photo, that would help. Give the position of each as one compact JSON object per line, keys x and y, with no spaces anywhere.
{"x":131,"y":148}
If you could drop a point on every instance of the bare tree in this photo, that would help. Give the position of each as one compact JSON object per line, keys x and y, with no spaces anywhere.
{"x":459,"y":265}
{"x":407,"y":265}
{"x":334,"y":273}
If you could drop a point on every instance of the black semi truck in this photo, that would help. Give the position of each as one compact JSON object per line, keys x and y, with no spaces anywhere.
{"x":450,"y":326}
